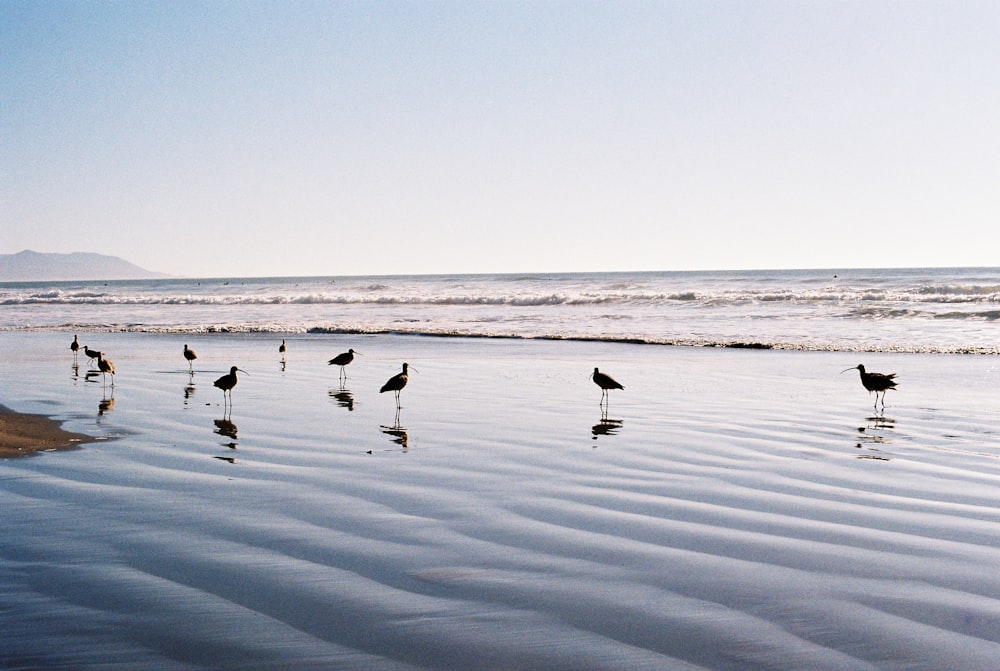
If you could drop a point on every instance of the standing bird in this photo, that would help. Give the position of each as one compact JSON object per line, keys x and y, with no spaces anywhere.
{"x":342,"y":360}
{"x":605,"y":382}
{"x":106,"y":366}
{"x":396,"y":383}
{"x":91,"y":353}
{"x":282,"y":348}
{"x":227,"y":382}
{"x":75,"y":346}
{"x":875,"y":382}
{"x":190,"y":356}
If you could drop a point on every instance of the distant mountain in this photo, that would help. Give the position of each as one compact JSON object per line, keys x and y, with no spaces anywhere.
{"x":29,"y":266}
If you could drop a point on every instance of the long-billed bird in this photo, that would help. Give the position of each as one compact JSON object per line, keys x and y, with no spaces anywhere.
{"x":106,"y":366}
{"x":91,"y":353}
{"x":605,"y":382}
{"x":875,"y":382}
{"x":75,"y":346}
{"x":190,"y":356}
{"x":342,"y":360}
{"x":227,"y":382}
{"x":396,"y":383}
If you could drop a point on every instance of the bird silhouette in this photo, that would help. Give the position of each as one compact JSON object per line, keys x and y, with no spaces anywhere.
{"x":106,"y":366}
{"x":190,"y":356}
{"x":605,"y":382}
{"x":875,"y":382}
{"x":342,"y":360}
{"x":227,"y":382}
{"x":396,"y":383}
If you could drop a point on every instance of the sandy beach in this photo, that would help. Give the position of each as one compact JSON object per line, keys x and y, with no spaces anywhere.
{"x":732,"y":509}
{"x":23,"y":435}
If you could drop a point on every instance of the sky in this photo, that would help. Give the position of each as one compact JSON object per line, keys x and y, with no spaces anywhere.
{"x":247,"y":138}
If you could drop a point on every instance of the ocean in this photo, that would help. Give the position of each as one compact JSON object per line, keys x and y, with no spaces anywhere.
{"x":948,"y":310}
{"x":741,"y":504}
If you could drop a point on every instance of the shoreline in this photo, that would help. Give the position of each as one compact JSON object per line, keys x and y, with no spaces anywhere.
{"x":24,"y":434}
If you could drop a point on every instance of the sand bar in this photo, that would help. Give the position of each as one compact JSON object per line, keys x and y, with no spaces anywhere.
{"x":23,"y":434}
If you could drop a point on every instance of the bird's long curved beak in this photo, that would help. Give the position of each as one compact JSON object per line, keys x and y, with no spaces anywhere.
{"x":847,"y":369}
{"x":242,"y":371}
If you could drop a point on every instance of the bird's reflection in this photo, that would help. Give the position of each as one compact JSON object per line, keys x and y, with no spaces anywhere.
{"x":225,"y":427}
{"x":873,"y":435}
{"x":343,"y":397}
{"x":76,"y":370}
{"x":606,"y":427}
{"x":107,"y":404}
{"x":189,"y":388}
{"x":397,"y":433}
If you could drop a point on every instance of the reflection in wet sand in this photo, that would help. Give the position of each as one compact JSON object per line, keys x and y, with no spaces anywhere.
{"x":105,"y":405}
{"x":606,"y":427}
{"x":189,"y":388}
{"x":225,"y":427}
{"x":870,"y":435}
{"x":397,"y":433}
{"x":343,"y":397}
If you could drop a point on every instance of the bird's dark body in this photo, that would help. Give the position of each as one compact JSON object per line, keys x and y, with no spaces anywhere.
{"x":342,"y":359}
{"x":396,"y":382}
{"x":875,"y":382}
{"x":605,"y":381}
{"x":228,"y":381}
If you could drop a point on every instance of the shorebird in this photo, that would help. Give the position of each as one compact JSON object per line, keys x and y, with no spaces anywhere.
{"x":605,"y":382}
{"x":396,"y":383}
{"x":75,"y":346}
{"x":342,"y":360}
{"x":282,"y":348}
{"x":91,"y":353}
{"x":227,"y":382}
{"x":106,"y":366}
{"x":190,"y":356}
{"x":875,"y":382}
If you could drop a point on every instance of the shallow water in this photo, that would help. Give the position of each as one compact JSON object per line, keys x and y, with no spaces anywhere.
{"x":735,"y":509}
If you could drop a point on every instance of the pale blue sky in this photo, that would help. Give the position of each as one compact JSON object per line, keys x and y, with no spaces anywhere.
{"x":313,"y":138}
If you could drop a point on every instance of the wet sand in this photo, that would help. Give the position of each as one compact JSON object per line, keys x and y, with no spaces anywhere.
{"x":23,"y":434}
{"x":731,"y":510}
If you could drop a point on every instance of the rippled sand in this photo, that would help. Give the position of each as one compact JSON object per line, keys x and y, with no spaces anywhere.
{"x":734,"y":509}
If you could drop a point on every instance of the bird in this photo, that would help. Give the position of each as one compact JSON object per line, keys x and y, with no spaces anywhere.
{"x":396,"y":383}
{"x":282,"y":348}
{"x":190,"y":356}
{"x":227,"y":382}
{"x":342,"y":360}
{"x":875,"y":382}
{"x":106,"y":366}
{"x":605,"y":382}
{"x":75,"y":346}
{"x":91,"y":353}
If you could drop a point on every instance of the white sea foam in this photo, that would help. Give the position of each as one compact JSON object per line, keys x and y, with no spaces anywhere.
{"x":943,"y":311}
